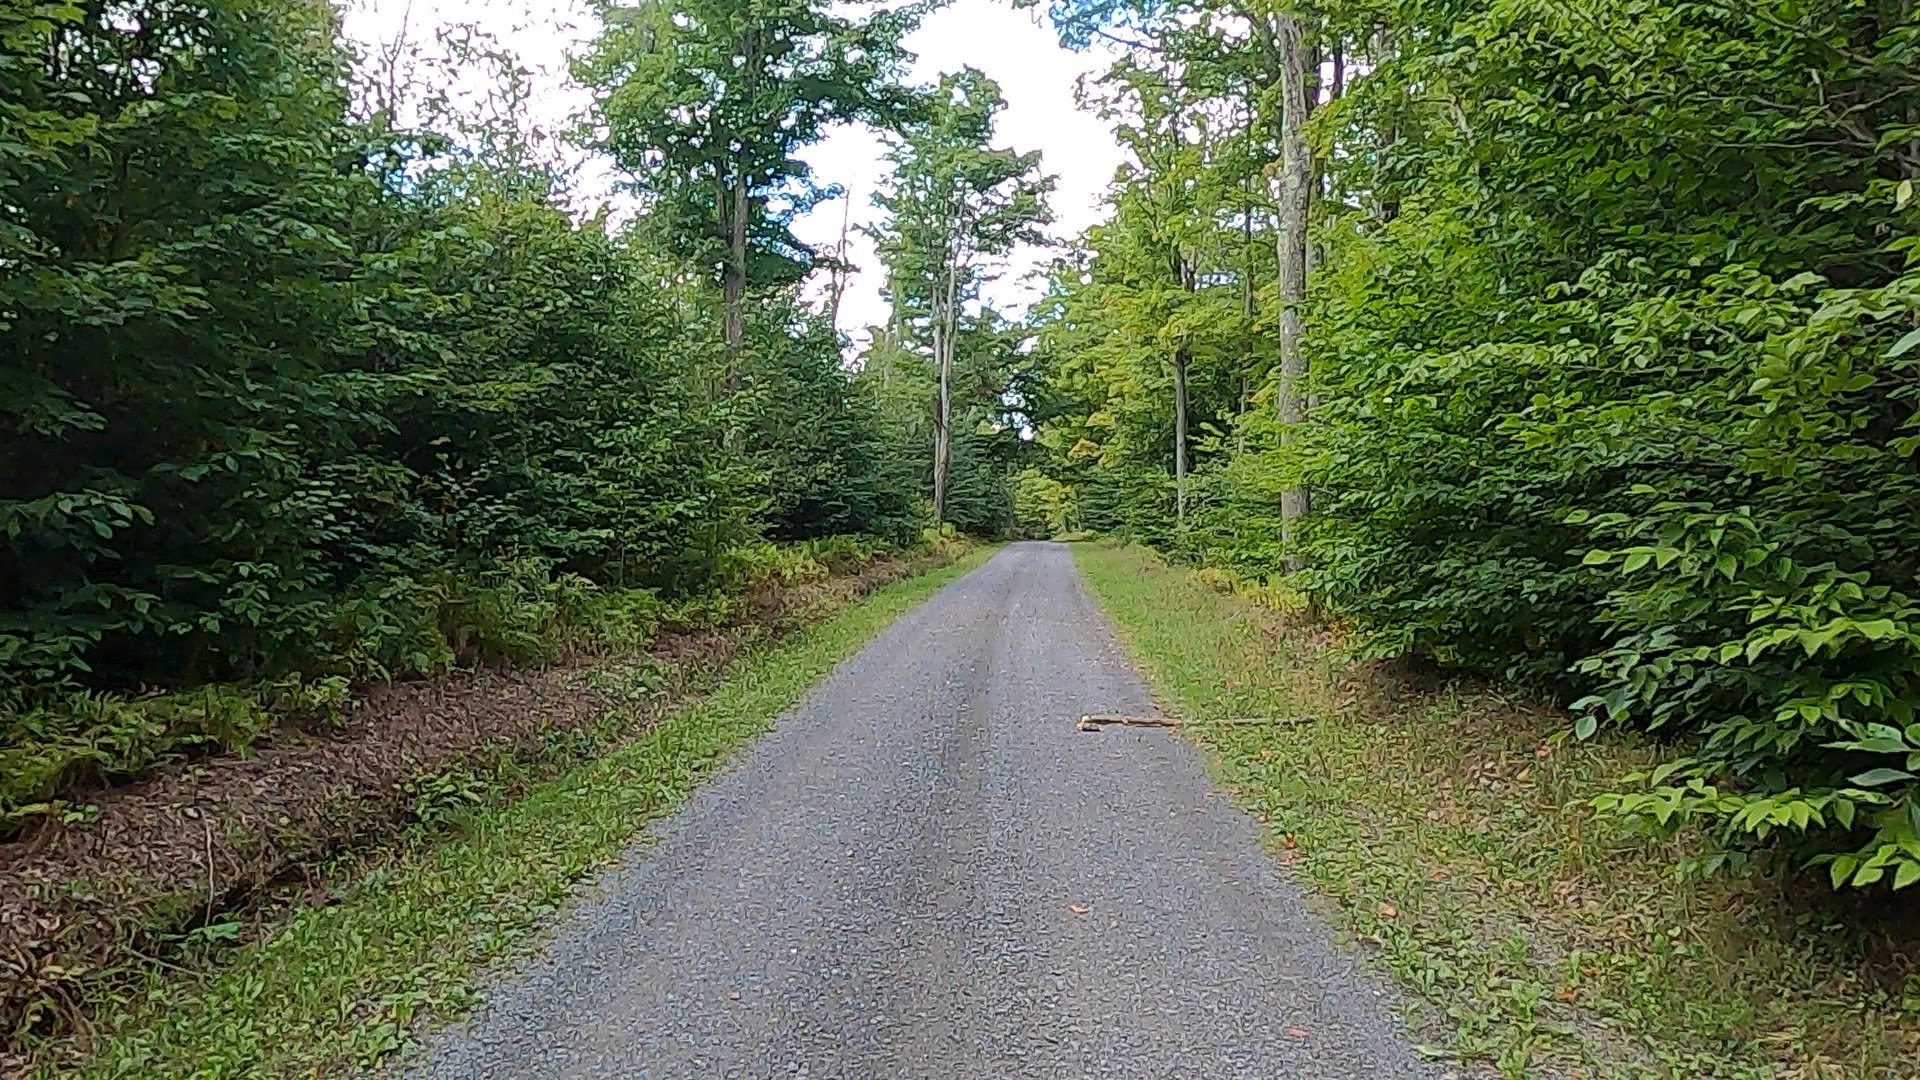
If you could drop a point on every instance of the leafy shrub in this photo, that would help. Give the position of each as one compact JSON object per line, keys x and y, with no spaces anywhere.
{"x":1674,"y":489}
{"x":1768,"y":609}
{"x":841,"y":553}
{"x":446,"y":799}
{"x":1043,"y":505}
{"x":619,"y":620}
{"x":49,"y":746}
{"x":747,"y":567}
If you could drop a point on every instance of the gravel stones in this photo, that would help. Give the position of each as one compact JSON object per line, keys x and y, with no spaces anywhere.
{"x":925,"y":872}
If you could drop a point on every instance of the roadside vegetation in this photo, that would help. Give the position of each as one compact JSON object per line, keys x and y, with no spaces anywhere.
{"x":359,"y":464}
{"x":1566,"y":347}
{"x":1448,"y":825}
{"x":375,"y":944}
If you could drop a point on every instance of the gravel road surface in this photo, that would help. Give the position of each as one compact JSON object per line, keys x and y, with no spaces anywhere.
{"x":925,"y":873}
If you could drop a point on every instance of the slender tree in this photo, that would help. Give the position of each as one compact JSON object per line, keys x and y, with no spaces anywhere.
{"x":955,"y":205}
{"x":705,"y":104}
{"x":1290,"y":237}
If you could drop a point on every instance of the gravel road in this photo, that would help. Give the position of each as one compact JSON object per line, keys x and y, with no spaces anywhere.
{"x":925,"y":873}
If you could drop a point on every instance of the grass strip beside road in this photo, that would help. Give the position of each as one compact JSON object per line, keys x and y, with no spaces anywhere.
{"x":345,"y":986}
{"x":1448,"y":829}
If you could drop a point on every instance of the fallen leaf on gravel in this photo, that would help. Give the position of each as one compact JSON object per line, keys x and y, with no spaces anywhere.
{"x":1077,"y":909}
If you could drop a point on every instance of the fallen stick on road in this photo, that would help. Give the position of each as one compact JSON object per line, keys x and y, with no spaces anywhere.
{"x":1096,"y":721}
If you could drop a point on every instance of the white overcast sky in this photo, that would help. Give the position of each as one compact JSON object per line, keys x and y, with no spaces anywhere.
{"x":1035,"y":74}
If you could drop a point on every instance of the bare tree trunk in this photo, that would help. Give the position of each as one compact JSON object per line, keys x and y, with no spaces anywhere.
{"x":840,"y":268}
{"x":943,"y":330}
{"x":1296,"y":178}
{"x":1180,"y":434}
{"x":1184,"y":273}
{"x":1240,"y":429}
{"x":1321,"y":190}
{"x":1246,"y":299}
{"x":733,"y":283}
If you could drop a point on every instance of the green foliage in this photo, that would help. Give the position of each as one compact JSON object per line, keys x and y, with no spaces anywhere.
{"x":957,"y":206}
{"x":1611,"y":328}
{"x":825,"y":450}
{"x":1661,"y":463}
{"x":50,"y":744}
{"x":1449,"y":829}
{"x":1042,"y":505}
{"x":954,"y":201}
{"x":709,"y":101}
{"x":289,"y":390}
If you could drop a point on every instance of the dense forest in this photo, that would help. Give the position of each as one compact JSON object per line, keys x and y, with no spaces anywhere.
{"x":1563,"y":342}
{"x":1560,"y":352}
{"x":317,"y":372}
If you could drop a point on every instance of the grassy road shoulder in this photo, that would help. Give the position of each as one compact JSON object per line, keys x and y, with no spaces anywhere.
{"x":1449,"y":831}
{"x":344,"y":986}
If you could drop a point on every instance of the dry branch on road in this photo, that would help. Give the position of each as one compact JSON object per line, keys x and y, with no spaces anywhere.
{"x":1097,"y":721}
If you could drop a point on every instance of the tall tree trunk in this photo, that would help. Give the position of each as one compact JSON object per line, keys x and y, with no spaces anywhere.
{"x":943,"y":330}
{"x":838,"y":282}
{"x":1246,"y":298}
{"x":1321,"y":190}
{"x":1239,"y":427}
{"x":1180,"y":434}
{"x":1296,"y":178}
{"x":1184,"y":273}
{"x":733,"y":283}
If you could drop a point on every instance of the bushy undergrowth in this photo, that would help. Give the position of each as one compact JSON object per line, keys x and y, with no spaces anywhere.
{"x":517,"y":613}
{"x":1613,"y":331}
{"x":327,"y":988}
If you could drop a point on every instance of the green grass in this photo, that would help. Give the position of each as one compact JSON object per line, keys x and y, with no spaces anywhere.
{"x":1447,"y":830}
{"x":345,"y":986}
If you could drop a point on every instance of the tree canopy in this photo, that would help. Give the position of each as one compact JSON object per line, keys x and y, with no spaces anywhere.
{"x":705,"y":103}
